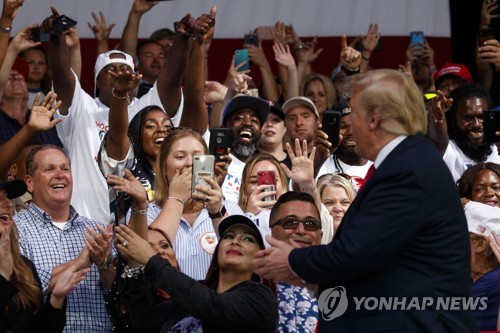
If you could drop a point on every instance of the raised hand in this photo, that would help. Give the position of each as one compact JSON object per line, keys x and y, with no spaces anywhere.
{"x":10,"y":8}
{"x":72,"y":38}
{"x":490,"y":52}
{"x":438,"y":106}
{"x":22,"y":40}
{"x":256,"y":55}
{"x":302,"y":171}
{"x":240,"y":83}
{"x":185,"y":25}
{"x":235,"y":70}
{"x":350,"y":58}
{"x":6,"y":261}
{"x":47,"y":25}
{"x":487,"y":13}
{"x":204,"y":26}
{"x":130,"y":185}
{"x":255,"y":203}
{"x":142,"y":6}
{"x":279,"y":33}
{"x":308,"y":54}
{"x":100,"y":29}
{"x":283,"y":56}
{"x":371,"y":39}
{"x":123,"y":82}
{"x":41,"y":113}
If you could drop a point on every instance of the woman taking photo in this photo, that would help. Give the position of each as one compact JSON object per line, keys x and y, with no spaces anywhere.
{"x":232,"y":297}
{"x":21,"y":304}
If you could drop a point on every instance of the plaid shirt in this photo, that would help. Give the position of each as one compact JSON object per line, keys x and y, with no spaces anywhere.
{"x":48,"y":246}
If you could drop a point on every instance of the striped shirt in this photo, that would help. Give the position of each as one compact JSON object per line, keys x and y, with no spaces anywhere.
{"x":194,"y":245}
{"x":48,"y":246}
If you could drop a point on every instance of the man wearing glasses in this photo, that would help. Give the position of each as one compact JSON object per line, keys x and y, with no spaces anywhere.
{"x":295,"y":219}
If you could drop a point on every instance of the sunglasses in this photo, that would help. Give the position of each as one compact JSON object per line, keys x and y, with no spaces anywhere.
{"x":290,"y":222}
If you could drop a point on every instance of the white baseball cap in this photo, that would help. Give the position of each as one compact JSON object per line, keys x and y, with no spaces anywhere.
{"x":104,"y":59}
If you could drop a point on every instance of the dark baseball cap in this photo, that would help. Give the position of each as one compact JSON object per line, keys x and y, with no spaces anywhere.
{"x":233,"y":220}
{"x":14,"y":188}
{"x":276,"y":109}
{"x":256,"y":104}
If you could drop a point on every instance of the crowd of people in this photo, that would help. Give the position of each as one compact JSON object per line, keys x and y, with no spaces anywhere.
{"x":104,"y":229}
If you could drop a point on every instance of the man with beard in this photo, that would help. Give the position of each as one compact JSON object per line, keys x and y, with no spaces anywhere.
{"x":460,"y":137}
{"x":302,"y":122}
{"x":345,"y":159}
{"x":244,"y":116}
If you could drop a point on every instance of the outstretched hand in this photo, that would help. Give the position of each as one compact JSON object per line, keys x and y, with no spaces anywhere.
{"x":41,"y":113}
{"x":131,"y":245}
{"x":302,"y":171}
{"x":123,"y":82}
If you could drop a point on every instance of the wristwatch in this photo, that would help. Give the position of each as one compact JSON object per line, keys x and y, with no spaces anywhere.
{"x":106,"y":264}
{"x":219,"y":214}
{"x":4,"y":29}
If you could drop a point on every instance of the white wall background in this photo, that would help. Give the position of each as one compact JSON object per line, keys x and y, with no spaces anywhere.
{"x":236,"y":17}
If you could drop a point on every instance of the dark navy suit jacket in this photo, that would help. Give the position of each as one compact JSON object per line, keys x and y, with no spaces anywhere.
{"x":404,"y":235}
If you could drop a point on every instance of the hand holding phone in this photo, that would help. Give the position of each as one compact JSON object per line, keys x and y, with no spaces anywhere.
{"x":331,"y":126}
{"x":485,"y":35}
{"x":63,"y":23}
{"x":251,"y":39}
{"x":203,"y":166}
{"x":267,"y":177}
{"x":219,"y":142}
{"x":241,"y":56}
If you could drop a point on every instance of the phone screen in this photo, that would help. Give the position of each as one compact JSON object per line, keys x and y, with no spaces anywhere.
{"x":417,"y":37}
{"x":241,"y":56}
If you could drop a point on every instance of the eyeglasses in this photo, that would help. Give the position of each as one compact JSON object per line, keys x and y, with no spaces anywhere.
{"x":290,"y":222}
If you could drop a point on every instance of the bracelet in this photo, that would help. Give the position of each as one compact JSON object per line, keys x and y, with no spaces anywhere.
{"x":132,"y":272}
{"x":4,"y":29}
{"x":120,"y":97}
{"x":136,"y":211}
{"x":299,"y":47}
{"x":177,"y":199}
{"x":365,"y":58}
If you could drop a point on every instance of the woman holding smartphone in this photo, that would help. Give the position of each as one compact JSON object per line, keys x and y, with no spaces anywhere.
{"x":187,"y":218}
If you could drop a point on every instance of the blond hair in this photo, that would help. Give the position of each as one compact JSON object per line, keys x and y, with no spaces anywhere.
{"x":396,"y":97}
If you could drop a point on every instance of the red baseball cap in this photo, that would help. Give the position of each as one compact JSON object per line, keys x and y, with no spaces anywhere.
{"x":450,"y":69}
{"x":22,"y":67}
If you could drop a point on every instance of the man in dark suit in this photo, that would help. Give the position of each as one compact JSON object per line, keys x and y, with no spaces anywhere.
{"x":405,"y":235}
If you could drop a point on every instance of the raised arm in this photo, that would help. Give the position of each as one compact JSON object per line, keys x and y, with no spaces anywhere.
{"x":9,"y":12}
{"x":73,"y":42}
{"x":170,"y":79}
{"x":101,"y":32}
{"x":39,"y":121}
{"x":21,"y":42}
{"x":59,"y":63}
{"x":369,"y":43}
{"x":438,"y":130}
{"x":130,"y":35}
{"x":257,"y":56}
{"x":195,"y":113}
{"x":285,"y":59}
{"x":117,"y":142}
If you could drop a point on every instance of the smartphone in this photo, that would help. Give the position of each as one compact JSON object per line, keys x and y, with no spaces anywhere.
{"x":491,"y":125}
{"x":252,"y":39}
{"x":267,"y":178}
{"x":417,"y":37}
{"x":485,"y":35}
{"x":331,"y":125}
{"x":203,"y":166}
{"x":38,"y":36}
{"x":63,"y":23}
{"x":239,"y":57}
{"x":219,"y":142}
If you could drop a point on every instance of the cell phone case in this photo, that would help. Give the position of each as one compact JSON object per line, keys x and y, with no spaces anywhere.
{"x":239,"y":57}
{"x":267,"y":178}
{"x":219,"y":142}
{"x":203,"y":166}
{"x":491,"y":125}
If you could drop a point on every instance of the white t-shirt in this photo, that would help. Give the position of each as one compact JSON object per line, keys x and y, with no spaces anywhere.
{"x":81,"y":132}
{"x":357,"y":172}
{"x":458,"y":162}
{"x":232,"y":183}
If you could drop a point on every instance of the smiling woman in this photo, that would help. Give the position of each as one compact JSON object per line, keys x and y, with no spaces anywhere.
{"x":232,"y":297}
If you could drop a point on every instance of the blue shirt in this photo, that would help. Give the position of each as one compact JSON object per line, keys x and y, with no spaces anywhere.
{"x":48,"y":246}
{"x":298,"y":310}
{"x":487,"y":286}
